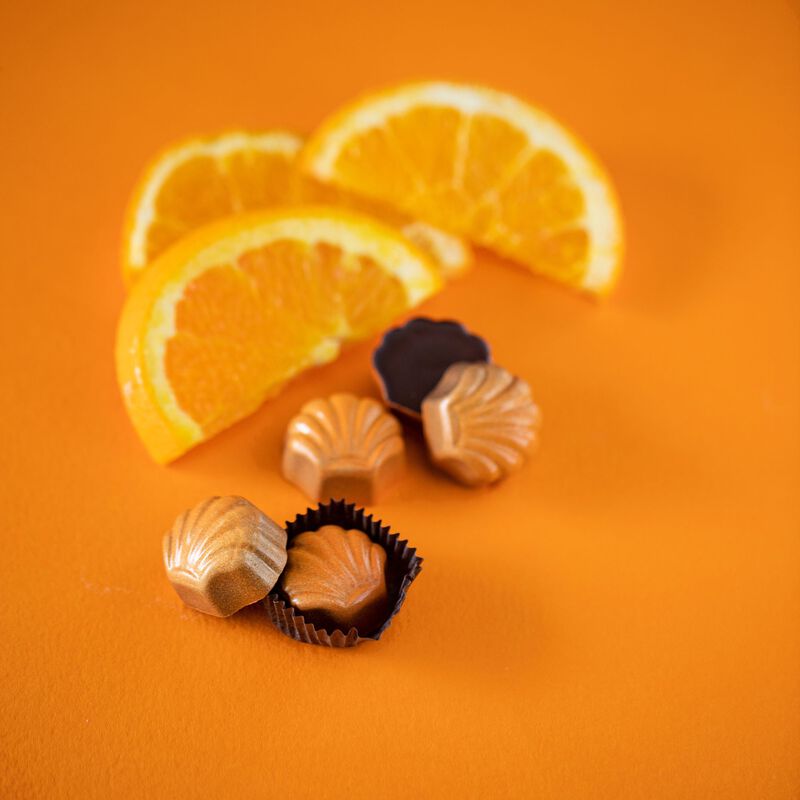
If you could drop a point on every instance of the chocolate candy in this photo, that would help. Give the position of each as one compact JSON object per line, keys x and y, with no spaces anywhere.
{"x":411,"y":359}
{"x":337,"y":576}
{"x":315,"y":623}
{"x":479,"y":422}
{"x":224,"y":554}
{"x":344,"y":446}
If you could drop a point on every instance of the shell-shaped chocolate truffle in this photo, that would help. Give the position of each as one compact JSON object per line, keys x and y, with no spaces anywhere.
{"x":339,"y":574}
{"x":224,"y":554}
{"x":479,"y":422}
{"x":412,"y":359}
{"x":402,"y":567}
{"x":344,"y":446}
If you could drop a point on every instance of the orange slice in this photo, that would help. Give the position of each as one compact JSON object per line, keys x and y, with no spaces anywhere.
{"x":202,"y":180}
{"x":452,"y":254}
{"x":481,"y":164}
{"x":231,"y":312}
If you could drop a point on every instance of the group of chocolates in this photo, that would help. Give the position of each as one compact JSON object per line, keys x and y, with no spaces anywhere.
{"x":478,"y":419}
{"x":335,"y":576}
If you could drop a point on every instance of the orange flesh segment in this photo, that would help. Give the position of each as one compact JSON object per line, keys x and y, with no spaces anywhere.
{"x":234,"y":345}
{"x":206,"y":188}
{"x":204,"y":180}
{"x":479,"y":177}
{"x":434,"y":241}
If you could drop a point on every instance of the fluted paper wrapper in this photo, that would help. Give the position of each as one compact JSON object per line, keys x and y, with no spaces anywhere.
{"x":402,"y":566}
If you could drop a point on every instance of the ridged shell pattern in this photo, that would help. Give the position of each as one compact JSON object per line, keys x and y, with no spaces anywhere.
{"x":402,"y":567}
{"x":347,"y":444}
{"x":224,"y":554}
{"x":479,"y":421}
{"x":336,"y":571}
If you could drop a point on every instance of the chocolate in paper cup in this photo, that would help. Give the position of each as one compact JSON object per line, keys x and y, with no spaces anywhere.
{"x":402,"y":566}
{"x":410,"y":360}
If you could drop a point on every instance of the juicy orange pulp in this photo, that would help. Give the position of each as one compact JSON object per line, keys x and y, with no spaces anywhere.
{"x":200,"y":181}
{"x":223,"y":318}
{"x":479,"y":164}
{"x":267,"y":314}
{"x":497,"y":191}
{"x":205,"y":189}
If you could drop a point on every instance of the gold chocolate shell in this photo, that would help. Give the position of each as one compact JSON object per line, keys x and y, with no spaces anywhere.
{"x":344,"y":446}
{"x":479,"y":421}
{"x":224,"y":554}
{"x":337,"y":573}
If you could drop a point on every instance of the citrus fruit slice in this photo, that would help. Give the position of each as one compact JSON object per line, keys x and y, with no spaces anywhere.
{"x":234,"y":310}
{"x":481,"y":164}
{"x":452,"y":254}
{"x":201,"y":180}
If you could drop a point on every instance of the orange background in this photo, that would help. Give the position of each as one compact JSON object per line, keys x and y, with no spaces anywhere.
{"x":617,"y":621}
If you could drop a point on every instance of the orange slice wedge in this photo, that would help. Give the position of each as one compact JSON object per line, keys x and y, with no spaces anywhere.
{"x":452,"y":254}
{"x":231,"y":312}
{"x":202,"y":180}
{"x":480,"y":164}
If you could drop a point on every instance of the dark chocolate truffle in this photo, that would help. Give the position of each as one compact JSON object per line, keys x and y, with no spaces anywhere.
{"x":411,"y":359}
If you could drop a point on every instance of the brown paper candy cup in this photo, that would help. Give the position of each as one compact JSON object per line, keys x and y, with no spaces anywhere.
{"x":402,"y":566}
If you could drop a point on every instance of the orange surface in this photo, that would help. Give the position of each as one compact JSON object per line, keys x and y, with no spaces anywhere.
{"x":617,"y":621}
